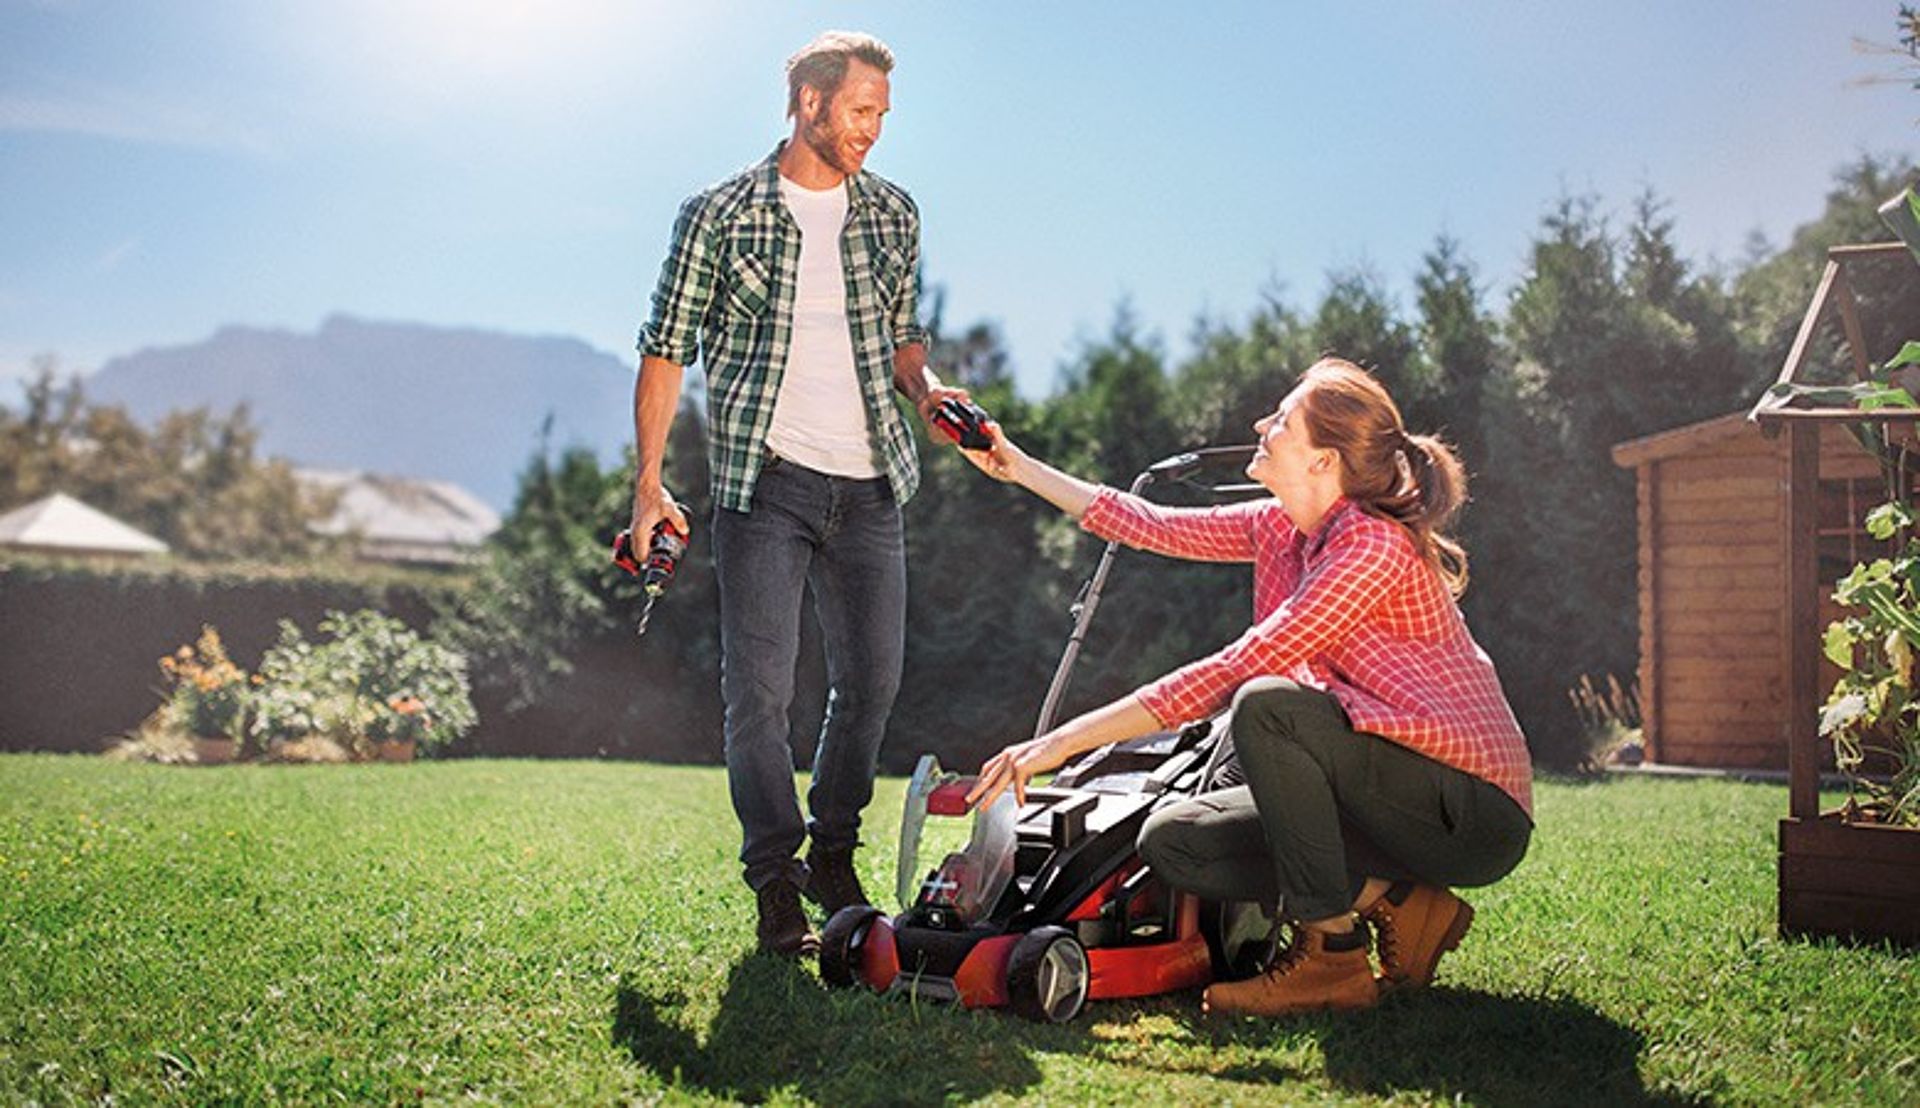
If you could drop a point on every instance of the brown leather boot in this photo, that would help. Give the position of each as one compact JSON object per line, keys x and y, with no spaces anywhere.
{"x":783,"y":928}
{"x":832,"y":882}
{"x":1318,"y":971}
{"x":1416,"y":923}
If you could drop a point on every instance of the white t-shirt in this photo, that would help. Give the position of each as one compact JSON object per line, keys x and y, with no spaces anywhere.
{"x":820,"y":418}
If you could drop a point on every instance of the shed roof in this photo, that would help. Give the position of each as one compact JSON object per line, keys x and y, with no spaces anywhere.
{"x":59,"y":522}
{"x":1682,"y":440}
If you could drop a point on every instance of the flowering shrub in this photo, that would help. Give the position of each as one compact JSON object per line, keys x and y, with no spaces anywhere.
{"x":210,"y":695}
{"x":371,"y":680}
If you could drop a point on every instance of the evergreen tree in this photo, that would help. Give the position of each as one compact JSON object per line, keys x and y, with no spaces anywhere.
{"x":1358,"y":321}
{"x":1235,"y":377}
{"x":1459,"y":341}
{"x":1771,"y":297}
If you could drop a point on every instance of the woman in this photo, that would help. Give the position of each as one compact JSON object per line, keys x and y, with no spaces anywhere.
{"x":1382,"y":765}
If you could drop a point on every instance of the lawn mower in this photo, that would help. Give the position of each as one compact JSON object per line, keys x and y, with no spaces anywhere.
{"x":1048,"y":904}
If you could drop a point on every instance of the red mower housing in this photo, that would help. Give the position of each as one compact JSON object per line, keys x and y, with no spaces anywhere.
{"x":1083,"y":918}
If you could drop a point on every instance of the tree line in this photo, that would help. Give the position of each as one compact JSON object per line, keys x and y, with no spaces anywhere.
{"x":193,"y":480}
{"x":1610,"y":334}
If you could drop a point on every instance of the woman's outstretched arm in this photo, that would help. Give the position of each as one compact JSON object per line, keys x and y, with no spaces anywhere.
{"x":1006,"y":462}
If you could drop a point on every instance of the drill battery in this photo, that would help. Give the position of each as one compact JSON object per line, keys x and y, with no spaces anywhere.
{"x":964,"y":422}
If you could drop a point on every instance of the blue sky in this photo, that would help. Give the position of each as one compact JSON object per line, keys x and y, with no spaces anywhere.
{"x":169,"y":168}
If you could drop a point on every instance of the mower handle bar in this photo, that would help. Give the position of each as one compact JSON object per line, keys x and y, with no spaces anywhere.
{"x":1176,"y":467}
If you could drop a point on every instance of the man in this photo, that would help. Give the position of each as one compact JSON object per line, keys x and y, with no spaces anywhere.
{"x":794,"y":282}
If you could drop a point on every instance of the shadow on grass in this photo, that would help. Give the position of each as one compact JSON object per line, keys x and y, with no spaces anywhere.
{"x":1453,"y":1044}
{"x":779,"y":1029}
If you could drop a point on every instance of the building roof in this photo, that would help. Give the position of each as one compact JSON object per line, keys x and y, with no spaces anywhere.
{"x":62,"y":524}
{"x":1682,"y":440}
{"x":404,"y":519}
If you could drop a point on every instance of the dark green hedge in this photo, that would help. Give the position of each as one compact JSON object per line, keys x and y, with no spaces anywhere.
{"x":80,"y":641}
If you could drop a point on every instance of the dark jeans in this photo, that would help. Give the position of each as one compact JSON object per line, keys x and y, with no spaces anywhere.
{"x":843,"y":537}
{"x":1324,"y":808}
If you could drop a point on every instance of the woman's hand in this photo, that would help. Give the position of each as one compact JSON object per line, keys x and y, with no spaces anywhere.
{"x":1002,"y":460}
{"x":1015,"y":766}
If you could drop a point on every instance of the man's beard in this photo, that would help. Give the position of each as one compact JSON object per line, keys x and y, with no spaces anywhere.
{"x":824,"y":139}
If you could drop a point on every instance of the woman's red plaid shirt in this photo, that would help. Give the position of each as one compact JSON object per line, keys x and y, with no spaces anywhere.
{"x":1349,"y":609}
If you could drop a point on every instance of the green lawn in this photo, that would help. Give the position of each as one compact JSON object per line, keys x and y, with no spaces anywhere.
{"x":538,"y":932}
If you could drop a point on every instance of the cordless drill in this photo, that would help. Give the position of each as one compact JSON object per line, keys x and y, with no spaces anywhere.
{"x":663,"y":557}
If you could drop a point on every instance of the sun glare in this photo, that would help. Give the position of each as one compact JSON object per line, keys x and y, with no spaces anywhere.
{"x":435,"y":51}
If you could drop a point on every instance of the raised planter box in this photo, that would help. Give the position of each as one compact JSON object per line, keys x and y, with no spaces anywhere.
{"x":1850,"y":880}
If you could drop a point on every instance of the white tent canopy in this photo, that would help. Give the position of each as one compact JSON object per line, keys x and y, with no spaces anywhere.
{"x":62,"y":524}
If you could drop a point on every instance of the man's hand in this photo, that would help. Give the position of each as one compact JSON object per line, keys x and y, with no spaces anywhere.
{"x":651,"y":504}
{"x":931,"y":400}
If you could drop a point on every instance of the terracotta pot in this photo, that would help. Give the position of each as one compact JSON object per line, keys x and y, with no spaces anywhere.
{"x":214,"y":752}
{"x":401,"y":751}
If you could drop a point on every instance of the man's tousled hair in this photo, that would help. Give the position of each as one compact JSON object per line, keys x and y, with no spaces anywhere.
{"x":822,"y":64}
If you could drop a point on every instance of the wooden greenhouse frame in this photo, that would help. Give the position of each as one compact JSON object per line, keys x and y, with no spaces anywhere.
{"x":1837,"y":877}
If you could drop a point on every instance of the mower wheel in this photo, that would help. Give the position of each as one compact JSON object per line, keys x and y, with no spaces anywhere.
{"x":840,"y":943}
{"x":1047,"y":975}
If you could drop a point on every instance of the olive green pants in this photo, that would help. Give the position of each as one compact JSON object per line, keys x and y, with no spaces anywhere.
{"x":1324,"y":808}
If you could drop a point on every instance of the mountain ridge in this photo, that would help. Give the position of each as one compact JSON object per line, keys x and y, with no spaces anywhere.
{"x":459,"y":404}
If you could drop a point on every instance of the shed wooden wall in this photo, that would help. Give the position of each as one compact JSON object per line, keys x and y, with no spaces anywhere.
{"x":1713,"y":598}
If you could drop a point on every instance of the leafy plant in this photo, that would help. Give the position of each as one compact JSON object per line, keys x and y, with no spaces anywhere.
{"x":371,"y":680}
{"x":1873,"y":709}
{"x":1870,"y":395}
{"x":210,"y":695}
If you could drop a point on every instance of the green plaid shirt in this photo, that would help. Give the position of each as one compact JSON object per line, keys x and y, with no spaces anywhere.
{"x":726,"y":295}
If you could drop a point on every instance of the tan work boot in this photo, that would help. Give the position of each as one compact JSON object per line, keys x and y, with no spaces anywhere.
{"x":1416,"y":924}
{"x":1318,"y":971}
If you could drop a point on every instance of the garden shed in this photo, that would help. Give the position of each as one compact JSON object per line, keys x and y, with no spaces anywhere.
{"x":1713,"y":564}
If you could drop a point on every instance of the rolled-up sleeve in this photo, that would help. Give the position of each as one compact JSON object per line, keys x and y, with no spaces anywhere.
{"x":685,"y":290}
{"x":1351,"y":579}
{"x":903,"y":315}
{"x":1219,"y":534}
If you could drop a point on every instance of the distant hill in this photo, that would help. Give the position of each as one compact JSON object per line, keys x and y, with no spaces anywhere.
{"x":454,"y":404}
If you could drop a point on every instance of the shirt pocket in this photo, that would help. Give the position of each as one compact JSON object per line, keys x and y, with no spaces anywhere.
{"x":749,"y":285}
{"x":890,"y":273}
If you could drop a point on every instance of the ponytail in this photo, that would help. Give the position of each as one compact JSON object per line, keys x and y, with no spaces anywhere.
{"x":1435,"y":491}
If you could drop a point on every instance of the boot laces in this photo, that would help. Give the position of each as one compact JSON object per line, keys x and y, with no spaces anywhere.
{"x":1293,"y":956}
{"x":1386,"y":934}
